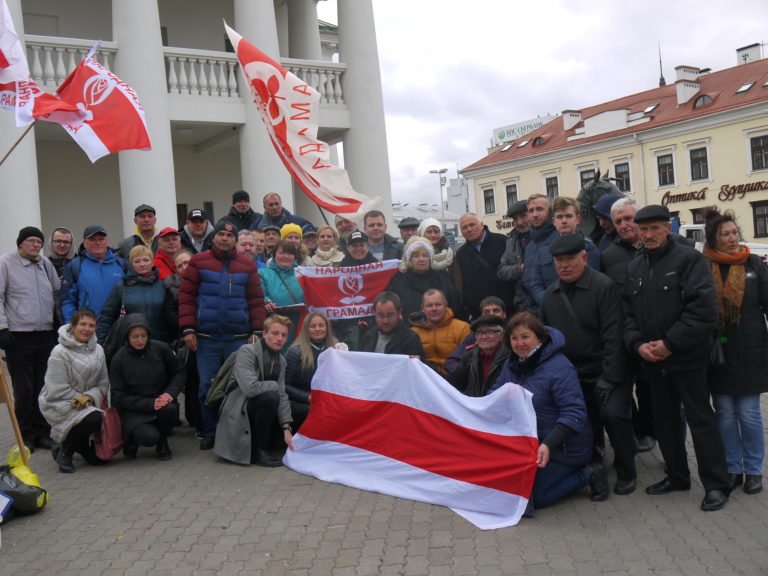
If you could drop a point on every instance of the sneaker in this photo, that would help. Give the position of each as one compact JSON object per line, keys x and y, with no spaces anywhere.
{"x":753,"y":483}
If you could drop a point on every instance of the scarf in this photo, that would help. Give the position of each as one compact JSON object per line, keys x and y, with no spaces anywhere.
{"x":443,"y":259}
{"x":730,"y":291}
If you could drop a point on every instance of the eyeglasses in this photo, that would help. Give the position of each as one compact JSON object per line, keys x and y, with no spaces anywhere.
{"x":489,"y":332}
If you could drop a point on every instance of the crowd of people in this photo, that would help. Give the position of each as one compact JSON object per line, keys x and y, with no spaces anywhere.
{"x":628,"y":333}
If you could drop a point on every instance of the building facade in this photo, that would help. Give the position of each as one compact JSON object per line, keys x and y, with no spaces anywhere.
{"x":699,"y":142}
{"x":207,"y":137}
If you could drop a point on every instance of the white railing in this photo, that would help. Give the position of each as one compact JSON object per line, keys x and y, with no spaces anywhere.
{"x":188,"y":71}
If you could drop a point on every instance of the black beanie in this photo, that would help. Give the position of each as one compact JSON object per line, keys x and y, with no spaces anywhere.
{"x":29,"y":232}
{"x":240,"y":196}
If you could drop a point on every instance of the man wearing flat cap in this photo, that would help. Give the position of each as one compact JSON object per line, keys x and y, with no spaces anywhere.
{"x":511,"y":266}
{"x":670,"y":309}
{"x":144,"y":218}
{"x":28,"y":319}
{"x":585,"y":305}
{"x":409,"y":226}
{"x":482,"y":362}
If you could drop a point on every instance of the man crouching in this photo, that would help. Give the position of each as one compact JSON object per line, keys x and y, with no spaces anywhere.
{"x":256,"y":406}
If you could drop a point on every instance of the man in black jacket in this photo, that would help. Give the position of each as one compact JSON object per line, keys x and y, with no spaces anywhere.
{"x":482,"y":362}
{"x":390,"y":335}
{"x":671,"y":310}
{"x":585,"y":305}
{"x":478,"y":261}
{"x":241,"y":215}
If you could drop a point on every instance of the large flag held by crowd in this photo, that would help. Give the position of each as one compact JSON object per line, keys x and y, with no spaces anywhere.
{"x":390,"y":424}
{"x":345,"y":292}
{"x":290,"y":108}
{"x":114,"y":119}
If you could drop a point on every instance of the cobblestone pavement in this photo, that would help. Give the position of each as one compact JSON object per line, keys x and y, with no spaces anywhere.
{"x":199,"y":515}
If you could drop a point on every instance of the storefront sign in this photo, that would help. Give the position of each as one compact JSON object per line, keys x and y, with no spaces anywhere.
{"x":669,"y":198}
{"x":739,"y":190}
{"x":504,"y":223}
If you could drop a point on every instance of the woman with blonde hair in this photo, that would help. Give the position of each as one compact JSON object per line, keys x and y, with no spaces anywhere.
{"x":328,"y":252}
{"x":314,"y":337}
{"x":443,"y":253}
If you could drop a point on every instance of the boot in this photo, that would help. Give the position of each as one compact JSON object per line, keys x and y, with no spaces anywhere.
{"x":64,"y":458}
{"x":162,"y":450}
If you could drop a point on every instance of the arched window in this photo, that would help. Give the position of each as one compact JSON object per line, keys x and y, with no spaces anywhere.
{"x":702,"y":101}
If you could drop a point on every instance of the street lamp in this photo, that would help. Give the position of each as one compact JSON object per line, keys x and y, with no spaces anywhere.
{"x":441,"y":182}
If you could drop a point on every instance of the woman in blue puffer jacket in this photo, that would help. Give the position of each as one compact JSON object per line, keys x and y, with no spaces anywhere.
{"x":281,"y":288}
{"x":565,"y":436}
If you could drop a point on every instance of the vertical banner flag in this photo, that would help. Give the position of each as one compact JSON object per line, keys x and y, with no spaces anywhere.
{"x":13,"y":60}
{"x":289,"y":108}
{"x":390,"y":424}
{"x":114,"y":119}
{"x":30,"y":103}
{"x":344,"y":292}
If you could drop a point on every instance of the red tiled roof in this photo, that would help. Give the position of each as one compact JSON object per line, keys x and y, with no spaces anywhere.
{"x":720,"y":86}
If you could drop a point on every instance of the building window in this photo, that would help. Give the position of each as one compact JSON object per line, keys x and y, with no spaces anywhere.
{"x":666,"y":170}
{"x":511,"y":195}
{"x":702,"y":101}
{"x":490,"y":201}
{"x":622,"y":176}
{"x":759,"y":148}
{"x":760,"y":218}
{"x":698,"y":216}
{"x":699,"y":165}
{"x":552,"y":186}
{"x":586,"y":176}
{"x":539,"y":141}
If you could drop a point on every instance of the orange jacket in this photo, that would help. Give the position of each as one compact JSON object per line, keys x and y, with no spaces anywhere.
{"x":441,"y":339}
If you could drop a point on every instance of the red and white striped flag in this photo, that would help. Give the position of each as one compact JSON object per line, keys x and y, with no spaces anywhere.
{"x":390,"y":424}
{"x":114,"y":119}
{"x":290,"y":108}
{"x":30,"y":103}
{"x":13,"y":60}
{"x":344,"y":292}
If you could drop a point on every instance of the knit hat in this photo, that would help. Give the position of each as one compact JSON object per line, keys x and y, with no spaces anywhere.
{"x":240,"y":196}
{"x":226,"y":227}
{"x":415,"y":242}
{"x":426,"y":223}
{"x":29,"y":232}
{"x":290,"y":229}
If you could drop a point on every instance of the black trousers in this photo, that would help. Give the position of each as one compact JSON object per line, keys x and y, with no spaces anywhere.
{"x":262,"y":415}
{"x":668,"y":390}
{"x":150,"y":433}
{"x":27,"y":363}
{"x":299,"y":411}
{"x":642,"y":412}
{"x":614,"y":417}
{"x":78,"y":439}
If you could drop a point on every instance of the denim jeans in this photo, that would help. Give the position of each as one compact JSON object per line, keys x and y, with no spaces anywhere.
{"x":556,"y":481}
{"x":741,"y":427}
{"x":211,"y":354}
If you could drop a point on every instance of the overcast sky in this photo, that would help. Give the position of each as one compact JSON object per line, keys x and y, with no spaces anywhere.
{"x":454,"y":70}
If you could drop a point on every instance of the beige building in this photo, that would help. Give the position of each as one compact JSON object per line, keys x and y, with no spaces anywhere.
{"x":699,"y":142}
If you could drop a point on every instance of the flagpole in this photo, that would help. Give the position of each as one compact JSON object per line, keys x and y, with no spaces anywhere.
{"x":322,"y":213}
{"x":19,"y":139}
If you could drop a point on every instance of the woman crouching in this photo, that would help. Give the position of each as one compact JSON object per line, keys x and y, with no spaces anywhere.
{"x":256,"y":407}
{"x":75,"y":383}
{"x":146,"y":379}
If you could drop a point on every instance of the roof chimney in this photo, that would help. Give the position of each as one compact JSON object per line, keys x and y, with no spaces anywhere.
{"x":686,"y":90}
{"x":687,"y":72}
{"x":747,"y":54}
{"x":571,"y":118}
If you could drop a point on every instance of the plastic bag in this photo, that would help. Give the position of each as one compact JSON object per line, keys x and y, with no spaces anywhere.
{"x":24,"y":487}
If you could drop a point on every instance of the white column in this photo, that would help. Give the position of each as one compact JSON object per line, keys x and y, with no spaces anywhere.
{"x":303,"y":31}
{"x":365,"y":143}
{"x":262,"y":171}
{"x":19,"y":192}
{"x":145,"y":176}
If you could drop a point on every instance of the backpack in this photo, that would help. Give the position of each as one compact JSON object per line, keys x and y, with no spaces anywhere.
{"x":219,"y":383}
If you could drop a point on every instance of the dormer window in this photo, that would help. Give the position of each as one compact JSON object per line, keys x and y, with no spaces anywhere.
{"x":538,"y":141}
{"x":702,"y":101}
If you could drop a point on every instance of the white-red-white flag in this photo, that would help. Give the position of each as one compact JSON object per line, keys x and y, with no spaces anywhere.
{"x":347,"y":291}
{"x":13,"y":60}
{"x":29,"y":103}
{"x":290,"y":108}
{"x":390,"y":424}
{"x":114,"y":119}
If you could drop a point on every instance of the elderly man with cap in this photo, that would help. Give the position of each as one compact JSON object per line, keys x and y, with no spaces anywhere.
{"x":409,"y":226}
{"x":197,"y":234}
{"x":671,"y":310}
{"x":168,"y":246}
{"x":241,"y":215}
{"x":276,"y":215}
{"x":89,"y":276}
{"x":512,"y":261}
{"x":144,"y":217}
{"x":28,"y":319}
{"x":481,"y":364}
{"x":221,"y":307}
{"x":605,"y":234}
{"x":585,"y":305}
{"x":344,"y":228}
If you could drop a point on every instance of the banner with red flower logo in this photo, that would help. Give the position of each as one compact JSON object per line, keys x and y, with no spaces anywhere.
{"x":345,"y":292}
